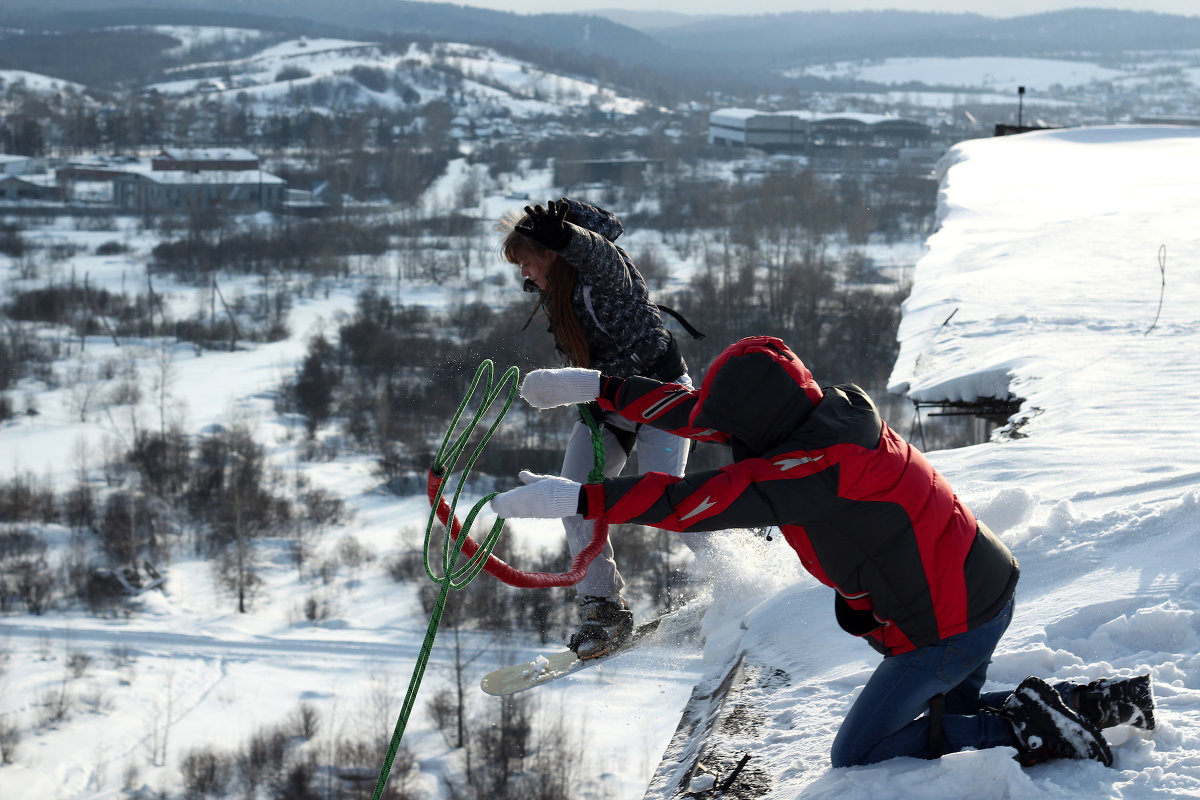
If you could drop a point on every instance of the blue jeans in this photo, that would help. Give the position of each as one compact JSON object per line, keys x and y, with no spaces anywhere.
{"x":883,"y":723}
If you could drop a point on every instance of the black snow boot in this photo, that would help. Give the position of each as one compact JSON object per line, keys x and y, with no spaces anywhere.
{"x":604,"y":626}
{"x":1046,"y":729}
{"x":1117,"y":701}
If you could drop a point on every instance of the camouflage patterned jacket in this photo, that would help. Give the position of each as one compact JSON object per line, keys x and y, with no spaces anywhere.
{"x":624,"y":329}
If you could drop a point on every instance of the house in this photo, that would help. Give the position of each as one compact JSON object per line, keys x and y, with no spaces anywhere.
{"x":26,"y":187}
{"x":99,"y":168}
{"x":315,"y":202}
{"x":177,"y":190}
{"x":21,"y":165}
{"x":204,"y":159}
{"x":88,"y":180}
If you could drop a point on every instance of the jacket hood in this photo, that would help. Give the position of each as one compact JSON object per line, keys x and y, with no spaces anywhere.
{"x":759,"y":392}
{"x":594,"y":218}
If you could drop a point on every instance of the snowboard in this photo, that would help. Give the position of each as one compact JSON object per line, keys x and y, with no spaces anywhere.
{"x":547,"y":668}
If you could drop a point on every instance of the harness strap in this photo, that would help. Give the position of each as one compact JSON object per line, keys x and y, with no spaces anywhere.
{"x":626,"y":439}
{"x":541,"y":299}
{"x":687,"y":326}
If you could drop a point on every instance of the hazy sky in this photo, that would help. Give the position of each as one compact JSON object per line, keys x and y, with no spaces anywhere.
{"x":997,"y":8}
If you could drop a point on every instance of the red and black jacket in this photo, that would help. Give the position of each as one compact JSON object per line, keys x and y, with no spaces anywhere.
{"x":865,"y":511}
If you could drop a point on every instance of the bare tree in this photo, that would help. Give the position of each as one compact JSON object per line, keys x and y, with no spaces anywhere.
{"x":450,"y":706}
{"x":161,"y":381}
{"x":84,"y":389}
{"x":160,"y":721}
{"x":10,"y":739}
{"x":502,"y":741}
{"x":10,"y":731}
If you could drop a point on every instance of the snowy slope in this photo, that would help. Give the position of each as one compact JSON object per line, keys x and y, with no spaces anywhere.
{"x":36,"y":82}
{"x":489,"y":81}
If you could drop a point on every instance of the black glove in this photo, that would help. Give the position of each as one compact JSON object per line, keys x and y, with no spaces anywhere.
{"x":547,"y":226}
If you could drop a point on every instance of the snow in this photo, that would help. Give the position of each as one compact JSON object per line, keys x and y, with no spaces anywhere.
{"x":525,"y":80}
{"x":190,"y":36}
{"x":36,"y":82}
{"x":740,"y":115}
{"x":995,"y":72}
{"x":1042,"y":282}
{"x":1054,"y":85}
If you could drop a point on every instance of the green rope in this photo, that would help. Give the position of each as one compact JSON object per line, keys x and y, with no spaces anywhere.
{"x":598,"y":455}
{"x":452,"y":578}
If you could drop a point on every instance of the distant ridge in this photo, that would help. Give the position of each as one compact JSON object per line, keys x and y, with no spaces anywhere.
{"x":644,"y":49}
{"x":354,"y":18}
{"x":826,"y":35}
{"x":654,"y":20}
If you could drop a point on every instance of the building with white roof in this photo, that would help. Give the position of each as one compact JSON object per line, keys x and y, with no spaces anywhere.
{"x":21,"y":165}
{"x":178,"y":190}
{"x":21,"y":188}
{"x":816,"y":134}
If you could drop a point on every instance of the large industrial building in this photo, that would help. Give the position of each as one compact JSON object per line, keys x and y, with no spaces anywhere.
{"x":817,"y":135}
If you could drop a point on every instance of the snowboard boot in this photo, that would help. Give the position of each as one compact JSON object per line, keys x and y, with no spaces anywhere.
{"x":1117,"y":701}
{"x":603,"y":627}
{"x":1046,"y":729}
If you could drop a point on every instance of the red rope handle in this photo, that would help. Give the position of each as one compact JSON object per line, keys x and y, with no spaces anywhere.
{"x":509,"y":574}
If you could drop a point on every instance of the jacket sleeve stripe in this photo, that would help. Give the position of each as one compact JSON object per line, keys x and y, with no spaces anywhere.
{"x":749,"y":493}
{"x":667,"y":406}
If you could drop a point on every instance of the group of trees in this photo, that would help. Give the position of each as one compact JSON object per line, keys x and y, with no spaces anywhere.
{"x":306,"y":757}
{"x":199,"y":250}
{"x":394,"y":374}
{"x":514,"y":750}
{"x":215,"y":495}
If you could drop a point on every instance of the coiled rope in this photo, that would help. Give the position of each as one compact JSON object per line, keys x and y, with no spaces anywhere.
{"x":456,"y":540}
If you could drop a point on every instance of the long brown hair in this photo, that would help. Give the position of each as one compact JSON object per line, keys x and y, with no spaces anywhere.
{"x":568,"y":332}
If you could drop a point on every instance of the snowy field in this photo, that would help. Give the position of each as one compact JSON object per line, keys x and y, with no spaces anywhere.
{"x":37,"y":82}
{"x":1043,"y":282}
{"x":1051,"y":84}
{"x":994,"y":72}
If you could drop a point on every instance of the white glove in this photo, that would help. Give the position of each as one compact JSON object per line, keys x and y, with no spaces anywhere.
{"x":544,"y":497}
{"x":547,"y":388}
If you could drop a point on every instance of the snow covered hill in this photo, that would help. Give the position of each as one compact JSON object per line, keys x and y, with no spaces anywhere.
{"x":358,"y":74}
{"x":270,"y":72}
{"x":267,"y":74}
